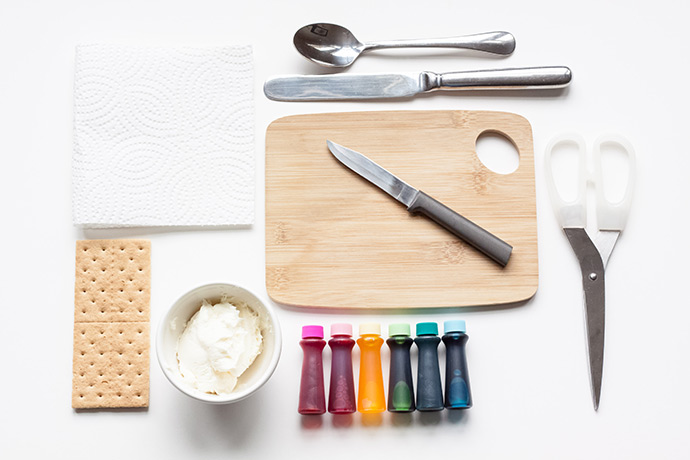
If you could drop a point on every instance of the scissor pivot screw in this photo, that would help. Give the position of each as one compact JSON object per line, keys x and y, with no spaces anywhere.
{"x":593,"y":276}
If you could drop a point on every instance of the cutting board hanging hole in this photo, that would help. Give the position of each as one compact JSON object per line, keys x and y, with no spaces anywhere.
{"x":497,"y":152}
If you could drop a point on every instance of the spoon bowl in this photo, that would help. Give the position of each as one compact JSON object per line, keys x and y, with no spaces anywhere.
{"x":332,"y":45}
{"x":328,"y":44}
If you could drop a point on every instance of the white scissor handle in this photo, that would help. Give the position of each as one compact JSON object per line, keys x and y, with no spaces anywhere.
{"x":612,"y":216}
{"x":569,"y":213}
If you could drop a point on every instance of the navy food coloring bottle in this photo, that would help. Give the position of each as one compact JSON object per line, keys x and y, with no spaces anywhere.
{"x":458,"y":394}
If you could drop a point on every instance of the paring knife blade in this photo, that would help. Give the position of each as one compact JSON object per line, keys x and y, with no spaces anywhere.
{"x":419,"y":202}
{"x":339,"y":86}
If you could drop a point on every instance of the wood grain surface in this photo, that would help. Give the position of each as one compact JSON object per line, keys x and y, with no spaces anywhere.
{"x":335,"y":240}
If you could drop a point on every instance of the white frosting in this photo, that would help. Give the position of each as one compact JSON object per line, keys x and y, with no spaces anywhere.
{"x":217,"y":345}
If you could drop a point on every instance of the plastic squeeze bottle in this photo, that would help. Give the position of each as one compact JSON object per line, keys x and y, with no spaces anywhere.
{"x":400,"y":386}
{"x":429,"y":391}
{"x":458,"y":394}
{"x":371,"y":398}
{"x":311,"y":392}
{"x":341,"y":395}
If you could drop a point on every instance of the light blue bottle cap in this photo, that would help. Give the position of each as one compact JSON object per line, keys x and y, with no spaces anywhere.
{"x":427,"y":329}
{"x":454,"y":325}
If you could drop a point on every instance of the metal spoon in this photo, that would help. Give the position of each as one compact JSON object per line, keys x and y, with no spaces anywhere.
{"x":334,"y":46}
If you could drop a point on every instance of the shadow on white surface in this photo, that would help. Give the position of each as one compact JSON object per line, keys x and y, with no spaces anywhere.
{"x":502,"y":93}
{"x":458,"y":417}
{"x":311,"y":422}
{"x":401,"y":309}
{"x":210,"y":426}
{"x":343,"y":420}
{"x":419,"y":57}
{"x":96,"y":410}
{"x":401,"y":419}
{"x":430,"y":418}
{"x":129,"y":232}
{"x":372,"y":420}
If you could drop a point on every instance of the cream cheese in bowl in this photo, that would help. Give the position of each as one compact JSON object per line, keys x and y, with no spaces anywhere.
{"x":219,"y":343}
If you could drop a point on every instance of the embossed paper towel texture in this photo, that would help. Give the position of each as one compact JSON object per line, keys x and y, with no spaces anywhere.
{"x":163,"y":136}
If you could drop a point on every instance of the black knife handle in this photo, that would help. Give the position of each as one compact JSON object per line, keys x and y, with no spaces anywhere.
{"x":492,"y":246}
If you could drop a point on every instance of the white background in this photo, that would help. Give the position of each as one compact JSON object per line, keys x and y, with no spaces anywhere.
{"x":527,"y":364}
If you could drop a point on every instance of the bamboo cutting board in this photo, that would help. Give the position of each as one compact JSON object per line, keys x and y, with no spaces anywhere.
{"x":335,"y":240}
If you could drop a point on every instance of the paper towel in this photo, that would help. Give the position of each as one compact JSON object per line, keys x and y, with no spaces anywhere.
{"x":163,"y":136}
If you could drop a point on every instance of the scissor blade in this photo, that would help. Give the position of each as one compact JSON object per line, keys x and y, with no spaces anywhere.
{"x":592,"y":268}
{"x":595,"y":321}
{"x":605,"y":240}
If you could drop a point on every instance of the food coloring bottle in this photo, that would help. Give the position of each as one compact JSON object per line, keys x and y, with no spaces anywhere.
{"x":341,"y":394}
{"x":429,"y":391}
{"x":311,"y":391}
{"x":371,"y":398}
{"x":458,"y":394}
{"x":400,"y":386}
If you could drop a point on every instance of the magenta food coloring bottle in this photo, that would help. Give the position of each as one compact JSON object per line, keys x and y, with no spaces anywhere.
{"x":341,"y":394}
{"x":312,"y":399}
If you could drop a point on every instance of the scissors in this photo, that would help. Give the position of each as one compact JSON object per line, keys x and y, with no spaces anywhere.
{"x":592,"y":253}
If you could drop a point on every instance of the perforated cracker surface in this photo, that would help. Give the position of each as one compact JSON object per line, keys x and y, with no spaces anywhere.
{"x":110,"y":365}
{"x":112,"y":280}
{"x":111,"y":324}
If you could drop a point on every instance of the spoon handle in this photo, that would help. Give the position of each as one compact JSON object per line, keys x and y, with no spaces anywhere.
{"x":490,"y":42}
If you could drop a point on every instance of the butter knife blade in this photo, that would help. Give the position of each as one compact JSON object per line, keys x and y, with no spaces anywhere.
{"x":384,"y":86}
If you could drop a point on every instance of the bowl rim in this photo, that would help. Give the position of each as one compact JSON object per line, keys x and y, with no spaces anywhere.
{"x":232,"y":397}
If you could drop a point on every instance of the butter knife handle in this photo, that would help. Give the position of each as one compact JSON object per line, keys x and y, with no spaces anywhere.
{"x":492,"y":246}
{"x":521,"y":78}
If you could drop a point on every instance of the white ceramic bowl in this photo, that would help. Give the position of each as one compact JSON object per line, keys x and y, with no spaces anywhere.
{"x":173,"y":323}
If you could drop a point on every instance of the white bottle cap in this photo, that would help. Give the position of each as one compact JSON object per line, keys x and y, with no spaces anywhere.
{"x":370,"y":328}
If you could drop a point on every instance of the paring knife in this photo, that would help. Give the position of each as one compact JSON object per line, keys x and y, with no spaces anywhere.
{"x":419,"y":202}
{"x":339,"y":86}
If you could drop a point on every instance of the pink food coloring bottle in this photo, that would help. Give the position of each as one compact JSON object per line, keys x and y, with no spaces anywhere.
{"x":341,"y":394}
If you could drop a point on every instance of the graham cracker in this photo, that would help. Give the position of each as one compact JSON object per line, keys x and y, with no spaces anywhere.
{"x":112,"y":292}
{"x":110,"y":365}
{"x":112,"y":281}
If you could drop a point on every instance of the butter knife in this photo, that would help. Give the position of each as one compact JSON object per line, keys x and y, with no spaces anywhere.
{"x":419,"y":202}
{"x":382,"y":86}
